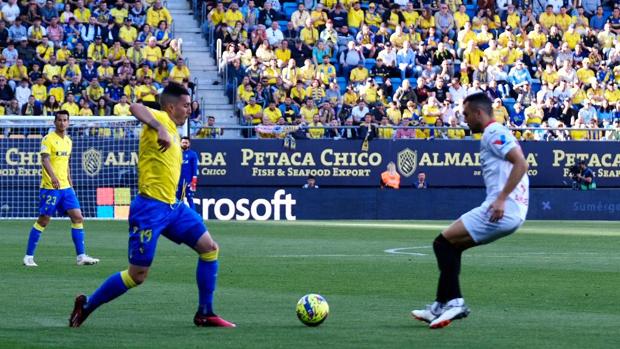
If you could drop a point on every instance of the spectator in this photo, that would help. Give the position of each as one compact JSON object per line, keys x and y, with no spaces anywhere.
{"x":421,"y":183}
{"x":274,"y":34}
{"x":31,"y":108}
{"x":585,"y":177}
{"x":405,"y":60}
{"x":310,"y":183}
{"x":444,"y":21}
{"x":10,"y":11}
{"x":300,"y":16}
{"x":390,"y":179}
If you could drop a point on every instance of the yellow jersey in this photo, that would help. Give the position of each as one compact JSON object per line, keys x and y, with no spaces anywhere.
{"x":59,"y":150}
{"x":128,"y":34}
{"x":158,"y":173}
{"x":121,"y":109}
{"x":72,"y":108}
{"x":178,"y":74}
{"x":39,"y":92}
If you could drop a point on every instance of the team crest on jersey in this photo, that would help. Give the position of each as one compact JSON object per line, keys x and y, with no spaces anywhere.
{"x":407,"y":162}
{"x":500,"y":141}
{"x":92,"y":161}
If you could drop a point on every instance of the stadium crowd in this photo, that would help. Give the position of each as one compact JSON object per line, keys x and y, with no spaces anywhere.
{"x":87,"y":57}
{"x":546,"y":64}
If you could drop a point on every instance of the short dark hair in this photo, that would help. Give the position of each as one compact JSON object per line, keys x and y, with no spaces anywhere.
{"x":59,"y":113}
{"x":480,"y":101}
{"x":171,"y":93}
{"x":185,"y":138}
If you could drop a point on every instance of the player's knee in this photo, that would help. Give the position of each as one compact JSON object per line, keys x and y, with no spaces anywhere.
{"x":211,"y":254}
{"x":440,"y":242}
{"x":138,"y":276}
{"x":43,"y":221}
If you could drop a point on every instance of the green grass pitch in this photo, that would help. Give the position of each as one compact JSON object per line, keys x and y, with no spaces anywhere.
{"x":551,"y":285}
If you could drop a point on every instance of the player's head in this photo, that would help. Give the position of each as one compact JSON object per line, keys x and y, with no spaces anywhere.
{"x":175,"y":101}
{"x":185,"y":143}
{"x":61,"y":120}
{"x":478,"y":111}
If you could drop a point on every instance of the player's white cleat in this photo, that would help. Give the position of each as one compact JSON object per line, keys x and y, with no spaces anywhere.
{"x":29,"y":261}
{"x":429,"y":314}
{"x":453,"y":310}
{"x":86,"y":260}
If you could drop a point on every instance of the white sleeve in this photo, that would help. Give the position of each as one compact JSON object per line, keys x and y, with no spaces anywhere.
{"x":500,"y":142}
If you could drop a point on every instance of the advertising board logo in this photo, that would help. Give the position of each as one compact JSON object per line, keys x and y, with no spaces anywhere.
{"x":92,"y":161}
{"x":407,"y":162}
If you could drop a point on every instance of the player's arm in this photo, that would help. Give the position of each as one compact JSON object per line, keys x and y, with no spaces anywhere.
{"x":47,"y":165}
{"x":143,"y":114}
{"x":519,"y":168}
{"x":69,"y":174}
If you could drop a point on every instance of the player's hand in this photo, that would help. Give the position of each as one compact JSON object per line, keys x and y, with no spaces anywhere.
{"x":497,"y":210}
{"x":55,"y":183}
{"x":193,"y":184}
{"x":163,"y":139}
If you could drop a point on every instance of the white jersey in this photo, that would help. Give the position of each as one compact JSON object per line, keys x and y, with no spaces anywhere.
{"x":496,"y":142}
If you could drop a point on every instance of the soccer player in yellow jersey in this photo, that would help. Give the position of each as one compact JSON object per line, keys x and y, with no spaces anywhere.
{"x":156,"y":211}
{"x":56,"y":193}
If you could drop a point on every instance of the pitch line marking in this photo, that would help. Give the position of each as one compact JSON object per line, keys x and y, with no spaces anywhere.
{"x":400,"y":250}
{"x":324,"y":255}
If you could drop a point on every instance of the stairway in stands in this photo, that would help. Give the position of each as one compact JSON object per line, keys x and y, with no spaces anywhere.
{"x":202,"y":66}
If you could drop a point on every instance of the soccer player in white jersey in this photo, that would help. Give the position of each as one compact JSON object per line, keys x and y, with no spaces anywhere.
{"x":503,"y":211}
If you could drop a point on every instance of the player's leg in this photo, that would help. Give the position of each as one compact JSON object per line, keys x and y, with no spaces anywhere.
{"x":71,"y":206}
{"x":188,"y":228}
{"x":448,"y":248}
{"x":33,"y":239}
{"x":206,"y":278}
{"x":145,"y":226}
{"x":113,"y":287}
{"x":77,"y":235}
{"x":48,"y":203}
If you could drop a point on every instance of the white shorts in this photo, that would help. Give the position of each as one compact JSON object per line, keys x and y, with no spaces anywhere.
{"x":484,"y":231}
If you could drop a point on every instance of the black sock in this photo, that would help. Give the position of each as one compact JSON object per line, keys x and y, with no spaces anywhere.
{"x":449,"y":263}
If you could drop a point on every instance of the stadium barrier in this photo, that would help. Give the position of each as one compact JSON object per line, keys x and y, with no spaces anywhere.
{"x":371,"y":203}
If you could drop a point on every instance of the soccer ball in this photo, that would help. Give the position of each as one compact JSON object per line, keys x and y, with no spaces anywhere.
{"x":312,"y":309}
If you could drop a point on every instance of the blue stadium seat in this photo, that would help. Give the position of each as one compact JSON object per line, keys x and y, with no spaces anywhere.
{"x":509,"y":104}
{"x":378,"y":80}
{"x":413,"y":82}
{"x":342,"y":83}
{"x":396,"y":82}
{"x":289,"y":8}
{"x":283,"y":25}
{"x":370,"y":63}
{"x":536,"y":85}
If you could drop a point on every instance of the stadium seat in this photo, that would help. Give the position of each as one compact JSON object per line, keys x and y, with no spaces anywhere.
{"x":509,"y":104}
{"x":283,"y":24}
{"x":370,"y":63}
{"x":289,"y":8}
{"x":378,"y":80}
{"x":396,"y":82}
{"x":413,"y":82}
{"x":536,"y":85}
{"x":342,"y":83}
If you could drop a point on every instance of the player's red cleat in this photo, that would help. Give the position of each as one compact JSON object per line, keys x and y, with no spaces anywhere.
{"x":211,"y":321}
{"x":79,"y":314}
